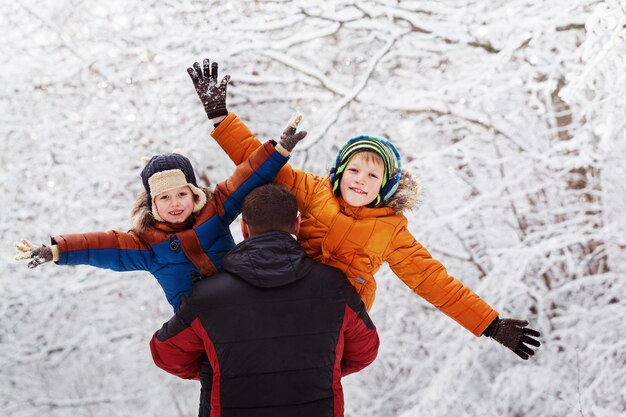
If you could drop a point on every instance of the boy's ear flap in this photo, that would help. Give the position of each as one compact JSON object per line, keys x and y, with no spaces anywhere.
{"x":392,"y":184}
{"x":390,"y":188}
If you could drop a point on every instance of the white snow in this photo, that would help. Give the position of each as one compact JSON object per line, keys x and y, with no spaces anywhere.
{"x":511,"y":112}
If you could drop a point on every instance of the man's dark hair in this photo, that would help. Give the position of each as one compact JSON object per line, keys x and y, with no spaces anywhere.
{"x":269,"y":208}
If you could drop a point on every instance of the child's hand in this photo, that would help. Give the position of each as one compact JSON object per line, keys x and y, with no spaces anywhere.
{"x":211,"y":94}
{"x":38,"y":255}
{"x":289,"y":139}
{"x":516,"y":336}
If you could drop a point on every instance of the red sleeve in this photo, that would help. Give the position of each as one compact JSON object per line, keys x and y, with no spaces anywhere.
{"x":360,"y":339}
{"x":177,"y":348}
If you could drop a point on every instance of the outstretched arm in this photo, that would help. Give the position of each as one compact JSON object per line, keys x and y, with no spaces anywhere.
{"x":237,"y":140}
{"x":213,"y":96}
{"x":114,"y":250}
{"x":429,"y":279}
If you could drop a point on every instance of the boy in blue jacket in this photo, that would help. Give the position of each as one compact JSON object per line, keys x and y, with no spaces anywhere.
{"x":180,"y":231}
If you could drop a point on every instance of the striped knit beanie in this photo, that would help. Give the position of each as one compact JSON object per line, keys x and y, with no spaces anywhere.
{"x":168,"y":171}
{"x":391,"y":163}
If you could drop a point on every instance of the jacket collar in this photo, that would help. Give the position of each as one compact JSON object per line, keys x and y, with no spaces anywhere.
{"x":267,"y":260}
{"x":363,"y":211}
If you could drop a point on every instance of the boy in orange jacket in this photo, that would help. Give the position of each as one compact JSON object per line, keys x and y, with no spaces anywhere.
{"x":352,"y":219}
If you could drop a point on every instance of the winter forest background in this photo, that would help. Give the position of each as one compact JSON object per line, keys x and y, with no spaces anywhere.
{"x":511,"y":112}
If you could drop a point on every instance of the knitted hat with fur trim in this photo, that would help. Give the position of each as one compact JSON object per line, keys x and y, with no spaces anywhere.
{"x":165,"y":172}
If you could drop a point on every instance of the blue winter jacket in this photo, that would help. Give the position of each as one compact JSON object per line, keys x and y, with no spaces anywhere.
{"x":174,"y":255}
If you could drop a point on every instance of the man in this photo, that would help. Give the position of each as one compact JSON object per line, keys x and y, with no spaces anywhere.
{"x":279,"y":329}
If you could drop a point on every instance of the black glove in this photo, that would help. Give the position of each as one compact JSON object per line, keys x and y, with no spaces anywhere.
{"x":37,"y":256}
{"x":515,"y":335}
{"x":211,"y":94}
{"x":289,"y":139}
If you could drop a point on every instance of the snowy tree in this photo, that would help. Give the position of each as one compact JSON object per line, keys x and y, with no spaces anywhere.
{"x":511,"y":112}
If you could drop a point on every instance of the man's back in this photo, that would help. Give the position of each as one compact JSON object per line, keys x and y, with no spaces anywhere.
{"x":279,"y":330}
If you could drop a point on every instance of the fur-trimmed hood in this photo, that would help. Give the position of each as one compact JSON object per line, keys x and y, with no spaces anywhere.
{"x":141,"y":214}
{"x":409,"y":193}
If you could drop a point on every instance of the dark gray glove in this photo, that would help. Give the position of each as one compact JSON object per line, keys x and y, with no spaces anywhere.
{"x":514,"y":335}
{"x":289,"y":139}
{"x":211,"y":94}
{"x":36,"y":255}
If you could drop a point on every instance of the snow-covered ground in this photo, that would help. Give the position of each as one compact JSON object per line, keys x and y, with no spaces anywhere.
{"x":511,"y":112}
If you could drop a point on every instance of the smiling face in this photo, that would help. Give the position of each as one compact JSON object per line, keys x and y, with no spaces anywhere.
{"x":175,"y":205}
{"x":361,"y":179}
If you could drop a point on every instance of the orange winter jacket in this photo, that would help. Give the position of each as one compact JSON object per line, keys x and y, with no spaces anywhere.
{"x":357,"y":240}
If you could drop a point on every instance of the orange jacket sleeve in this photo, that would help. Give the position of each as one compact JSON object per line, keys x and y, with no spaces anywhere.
{"x":239,"y":142}
{"x":428,"y":278}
